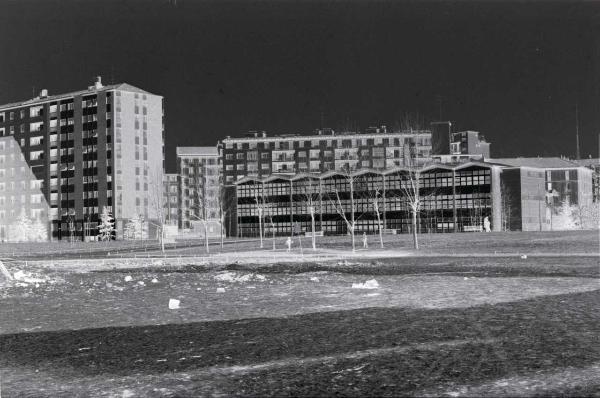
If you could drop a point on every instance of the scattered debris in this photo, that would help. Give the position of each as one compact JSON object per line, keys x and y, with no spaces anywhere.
{"x":154,"y":280}
{"x":370,"y":284}
{"x":141,"y":283}
{"x":173,"y":304}
{"x":220,"y":290}
{"x":466,"y":278}
{"x":523,"y":256}
{"x":314,"y":279}
{"x":128,"y":278}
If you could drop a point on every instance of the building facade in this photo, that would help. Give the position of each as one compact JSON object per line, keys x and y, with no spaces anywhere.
{"x":454,"y":198}
{"x":259,"y":155}
{"x":469,"y":143}
{"x":85,"y":150}
{"x":199,"y":173}
{"x":171,"y":199}
{"x":565,"y":181}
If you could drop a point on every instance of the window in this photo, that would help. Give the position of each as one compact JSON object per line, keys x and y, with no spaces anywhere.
{"x":240,"y":155}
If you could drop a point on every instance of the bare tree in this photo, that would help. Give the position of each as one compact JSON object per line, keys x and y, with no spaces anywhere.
{"x":311,"y":196}
{"x":506,"y":209}
{"x":410,"y":194}
{"x":157,"y":202}
{"x":260,"y":207}
{"x":371,"y":190}
{"x":339,"y":207}
{"x":375,"y":202}
{"x":202,"y":199}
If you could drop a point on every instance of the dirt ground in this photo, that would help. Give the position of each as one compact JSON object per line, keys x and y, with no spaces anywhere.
{"x":497,"y":325}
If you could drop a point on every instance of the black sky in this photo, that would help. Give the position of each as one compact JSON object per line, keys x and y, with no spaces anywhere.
{"x":512,"y":70}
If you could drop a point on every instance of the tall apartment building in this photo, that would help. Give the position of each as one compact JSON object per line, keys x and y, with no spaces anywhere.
{"x":199,"y":173}
{"x":79,"y":152}
{"x":259,"y":155}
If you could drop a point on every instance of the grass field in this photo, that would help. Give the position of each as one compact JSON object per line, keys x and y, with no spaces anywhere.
{"x":437,"y":325}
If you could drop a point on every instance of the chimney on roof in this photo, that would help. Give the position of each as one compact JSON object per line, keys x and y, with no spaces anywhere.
{"x":43,"y":93}
{"x":98,"y":83}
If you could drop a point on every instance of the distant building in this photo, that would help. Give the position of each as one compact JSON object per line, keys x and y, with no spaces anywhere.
{"x":455,"y":198}
{"x":65,"y":157}
{"x":171,"y":199}
{"x":199,"y":171}
{"x":469,"y":143}
{"x":594,"y":165}
{"x":565,"y":180}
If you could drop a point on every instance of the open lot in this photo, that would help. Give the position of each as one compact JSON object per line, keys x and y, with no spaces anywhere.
{"x":467,"y":317}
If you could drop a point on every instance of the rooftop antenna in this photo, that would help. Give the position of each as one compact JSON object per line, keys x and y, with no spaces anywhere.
{"x":577,"y":131}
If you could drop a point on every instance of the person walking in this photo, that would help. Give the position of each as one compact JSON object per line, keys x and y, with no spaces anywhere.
{"x":288,"y":242}
{"x":486,"y":224}
{"x":365,"y":242}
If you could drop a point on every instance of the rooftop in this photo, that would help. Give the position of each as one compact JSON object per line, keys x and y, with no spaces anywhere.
{"x":90,"y":90}
{"x":197,"y":151}
{"x":543,"y":163}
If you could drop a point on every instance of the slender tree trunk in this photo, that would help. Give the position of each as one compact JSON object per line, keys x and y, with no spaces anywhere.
{"x":414,"y":225}
{"x":206,"y":235}
{"x":312,"y":219}
{"x":352,"y":235}
{"x":162,"y":239}
{"x":260,"y":232}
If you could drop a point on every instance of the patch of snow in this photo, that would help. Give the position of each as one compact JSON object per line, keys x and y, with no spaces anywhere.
{"x":220,"y":290}
{"x":27,"y":277}
{"x":370,"y":284}
{"x":174,"y":304}
{"x":128,"y":278}
{"x":127,"y":394}
{"x":229,"y":276}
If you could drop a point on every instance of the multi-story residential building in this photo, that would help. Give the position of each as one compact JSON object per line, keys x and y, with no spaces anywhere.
{"x":454,"y":198}
{"x":199,"y":171}
{"x":469,"y":143}
{"x":171,"y":199}
{"x":260,"y":155}
{"x":85,"y":150}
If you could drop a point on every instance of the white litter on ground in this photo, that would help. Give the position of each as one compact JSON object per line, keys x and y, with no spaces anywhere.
{"x":141,"y":283}
{"x":370,"y":284}
{"x":128,"y":278}
{"x":229,"y":276}
{"x":154,"y":280}
{"x":173,"y":304}
{"x":524,"y":256}
{"x":220,"y":290}
{"x":314,"y":279}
